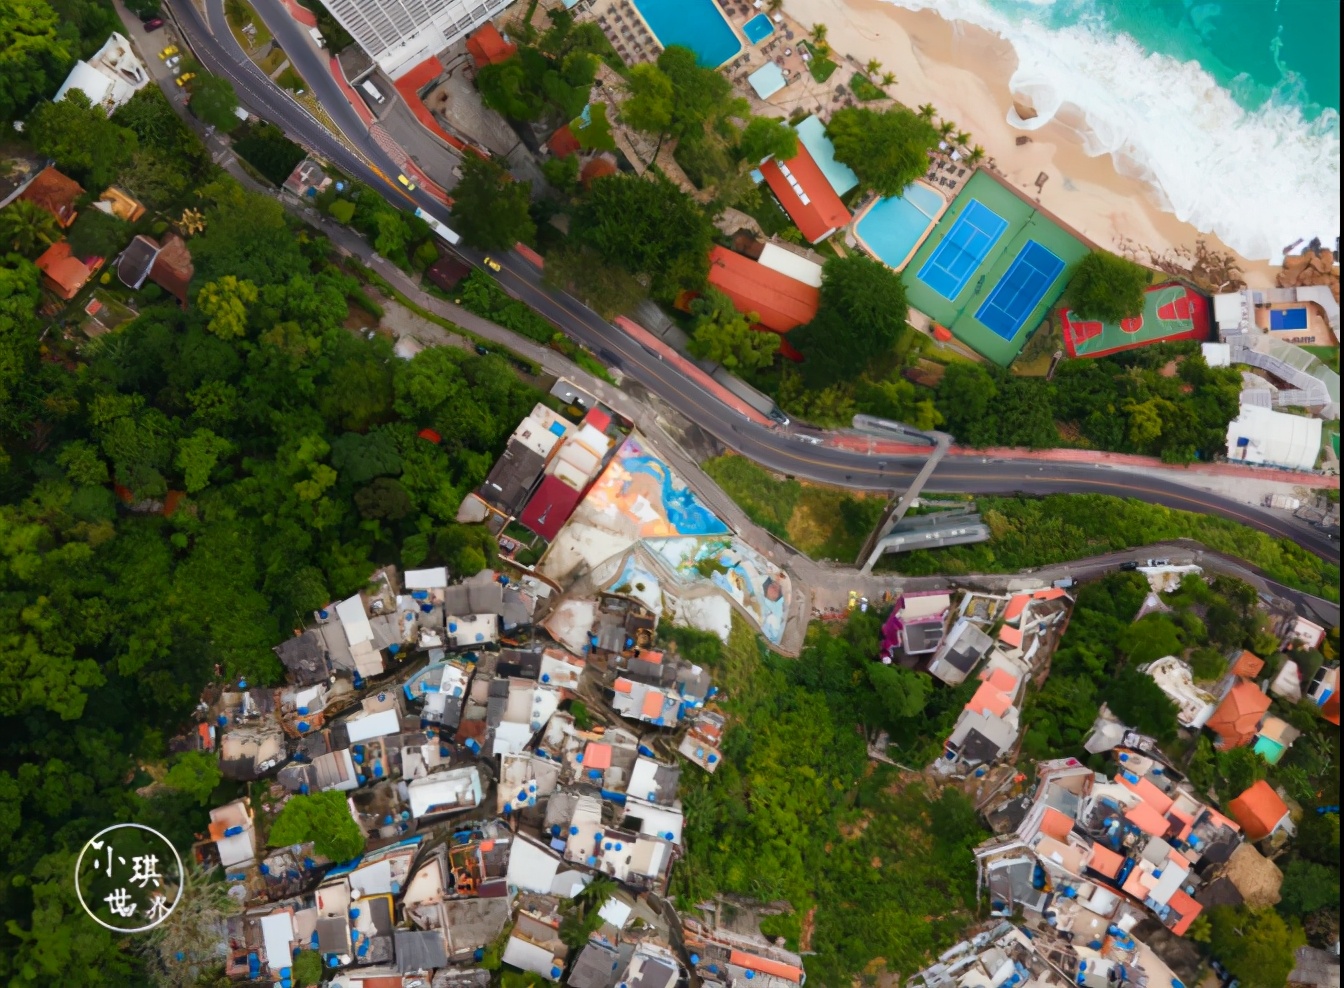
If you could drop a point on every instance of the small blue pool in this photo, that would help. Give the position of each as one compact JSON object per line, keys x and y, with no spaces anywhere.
{"x":892,"y":228}
{"x":1288,"y":318}
{"x":758,"y":28}
{"x":695,"y":24}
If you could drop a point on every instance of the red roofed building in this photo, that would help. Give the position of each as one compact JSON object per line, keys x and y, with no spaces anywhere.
{"x":1259,"y":810}
{"x":780,"y":302}
{"x":54,"y":192}
{"x":806,"y":195}
{"x":488,"y":47}
{"x":563,"y":143}
{"x":1238,"y":716}
{"x":62,"y":272}
{"x":550,"y":507}
{"x":598,"y":419}
{"x":599,"y":167}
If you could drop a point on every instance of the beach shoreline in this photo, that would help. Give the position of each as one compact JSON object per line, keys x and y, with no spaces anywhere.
{"x":964,"y":71}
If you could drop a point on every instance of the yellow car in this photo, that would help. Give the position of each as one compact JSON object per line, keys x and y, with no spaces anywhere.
{"x":185,"y":78}
{"x":168,"y":52}
{"x":492,"y":264}
{"x":410,"y":186}
{"x":853,"y":600}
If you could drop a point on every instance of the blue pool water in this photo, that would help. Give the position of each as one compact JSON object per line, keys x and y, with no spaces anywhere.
{"x":695,"y":24}
{"x":893,"y":226}
{"x":758,"y":28}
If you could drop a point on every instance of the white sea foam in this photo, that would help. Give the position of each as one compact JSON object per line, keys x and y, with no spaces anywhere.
{"x":1259,"y":180}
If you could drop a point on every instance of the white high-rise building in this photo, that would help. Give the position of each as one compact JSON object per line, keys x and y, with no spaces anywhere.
{"x":400,"y":34}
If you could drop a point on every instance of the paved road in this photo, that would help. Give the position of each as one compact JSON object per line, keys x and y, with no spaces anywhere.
{"x":776,"y":449}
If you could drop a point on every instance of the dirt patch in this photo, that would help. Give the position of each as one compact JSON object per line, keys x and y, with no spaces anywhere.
{"x":808,"y":928}
{"x":851,"y":831}
{"x":359,"y":317}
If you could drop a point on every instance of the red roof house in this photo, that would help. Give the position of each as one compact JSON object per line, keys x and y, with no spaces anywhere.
{"x":563,"y":143}
{"x":599,"y":167}
{"x":806,"y":195}
{"x":488,"y":46}
{"x":1248,"y":665}
{"x":54,"y":192}
{"x":62,"y":272}
{"x":1259,"y":810}
{"x":1237,"y":717}
{"x":550,"y":507}
{"x":780,"y":302}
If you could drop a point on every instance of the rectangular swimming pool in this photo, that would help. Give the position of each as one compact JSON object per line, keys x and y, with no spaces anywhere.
{"x":1288,"y":318}
{"x":1020,"y":290}
{"x":695,"y":24}
{"x":969,"y":242}
{"x":758,"y":28}
{"x":892,"y":228}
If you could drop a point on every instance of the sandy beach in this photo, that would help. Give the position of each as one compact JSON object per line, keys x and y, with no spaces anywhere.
{"x":964,"y":71}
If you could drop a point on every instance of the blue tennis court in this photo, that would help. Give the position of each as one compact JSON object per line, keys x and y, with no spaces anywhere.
{"x":1020,"y":290}
{"x":969,"y":242}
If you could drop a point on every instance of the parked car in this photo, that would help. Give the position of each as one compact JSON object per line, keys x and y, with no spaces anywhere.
{"x":182,"y":80}
{"x":1157,"y":562}
{"x":173,"y":62}
{"x":1130,"y":565}
{"x":153,"y":24}
{"x":168,"y":52}
{"x":406,"y":182}
{"x":483,"y":351}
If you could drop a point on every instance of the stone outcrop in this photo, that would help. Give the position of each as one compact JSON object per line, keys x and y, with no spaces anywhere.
{"x":1311,"y":267}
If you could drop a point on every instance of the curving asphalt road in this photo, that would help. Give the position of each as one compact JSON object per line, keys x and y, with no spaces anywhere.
{"x":776,"y":449}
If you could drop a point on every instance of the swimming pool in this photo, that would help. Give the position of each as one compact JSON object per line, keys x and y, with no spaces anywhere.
{"x":758,"y":28}
{"x":695,"y":24}
{"x":892,"y":228}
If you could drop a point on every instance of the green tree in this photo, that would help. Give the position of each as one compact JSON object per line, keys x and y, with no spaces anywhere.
{"x":562,"y":173}
{"x":1256,"y":945}
{"x":1140,"y":703}
{"x":646,"y":226}
{"x":767,"y":137}
{"x":195,"y":773}
{"x":213,"y":102}
{"x":650,"y":104}
{"x":1108,"y":287}
{"x":595,"y":135}
{"x":34,"y":54}
{"x":81,"y":138}
{"x":385,"y":498}
{"x":504,"y":88}
{"x":323,"y":818}
{"x":724,"y":335}
{"x":28,"y":229}
{"x":224,"y":303}
{"x":197,"y":457}
{"x":490,"y":208}
{"x":605,"y":288}
{"x":965,"y":395}
{"x":861,"y":321}
{"x":888,"y":149}
{"x":702,"y":97}
{"x":1308,"y":886}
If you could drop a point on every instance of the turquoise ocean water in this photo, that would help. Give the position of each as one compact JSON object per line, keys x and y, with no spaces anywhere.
{"x":1229,"y":110}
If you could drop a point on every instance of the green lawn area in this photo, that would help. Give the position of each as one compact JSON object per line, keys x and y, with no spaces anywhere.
{"x":865,"y":89}
{"x":273,"y":60}
{"x":1040,"y":531}
{"x":823,"y":522}
{"x":239,"y":14}
{"x":821,"y":66}
{"x":291,"y":80}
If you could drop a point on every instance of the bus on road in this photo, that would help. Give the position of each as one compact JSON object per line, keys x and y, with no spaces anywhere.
{"x":439,"y":229}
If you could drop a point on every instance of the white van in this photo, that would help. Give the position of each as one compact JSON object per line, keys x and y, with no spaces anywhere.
{"x":372,"y":90}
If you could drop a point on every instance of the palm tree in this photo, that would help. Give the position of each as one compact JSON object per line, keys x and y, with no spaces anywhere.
{"x":976,"y":155}
{"x":946,"y":128}
{"x":962,"y":139}
{"x":888,"y":78}
{"x":872,"y":66}
{"x":27,"y":228}
{"x":818,"y":33}
{"x":927,"y":112}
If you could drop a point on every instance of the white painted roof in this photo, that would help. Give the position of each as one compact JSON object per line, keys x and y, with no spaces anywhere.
{"x":277,"y":935}
{"x":426,"y":579}
{"x":373,"y":725}
{"x":786,"y":262}
{"x":1274,"y":438}
{"x":532,"y":868}
{"x":354,"y":620}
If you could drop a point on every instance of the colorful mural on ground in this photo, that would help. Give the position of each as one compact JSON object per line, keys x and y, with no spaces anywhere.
{"x":643,"y":489}
{"x":761,"y":588}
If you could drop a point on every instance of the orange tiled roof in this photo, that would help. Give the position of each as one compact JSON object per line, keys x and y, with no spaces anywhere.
{"x":1248,"y":665}
{"x":597,"y":755}
{"x":1238,"y":715}
{"x":989,"y":700}
{"x":488,"y":47}
{"x":1104,"y":861}
{"x":54,"y":192}
{"x":822,"y":212}
{"x":780,"y":302}
{"x":1259,"y":810}
{"x":1056,"y":824}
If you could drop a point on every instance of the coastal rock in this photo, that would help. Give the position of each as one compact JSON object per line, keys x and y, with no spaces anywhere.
{"x":1310,"y":268}
{"x":1024,"y":107}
